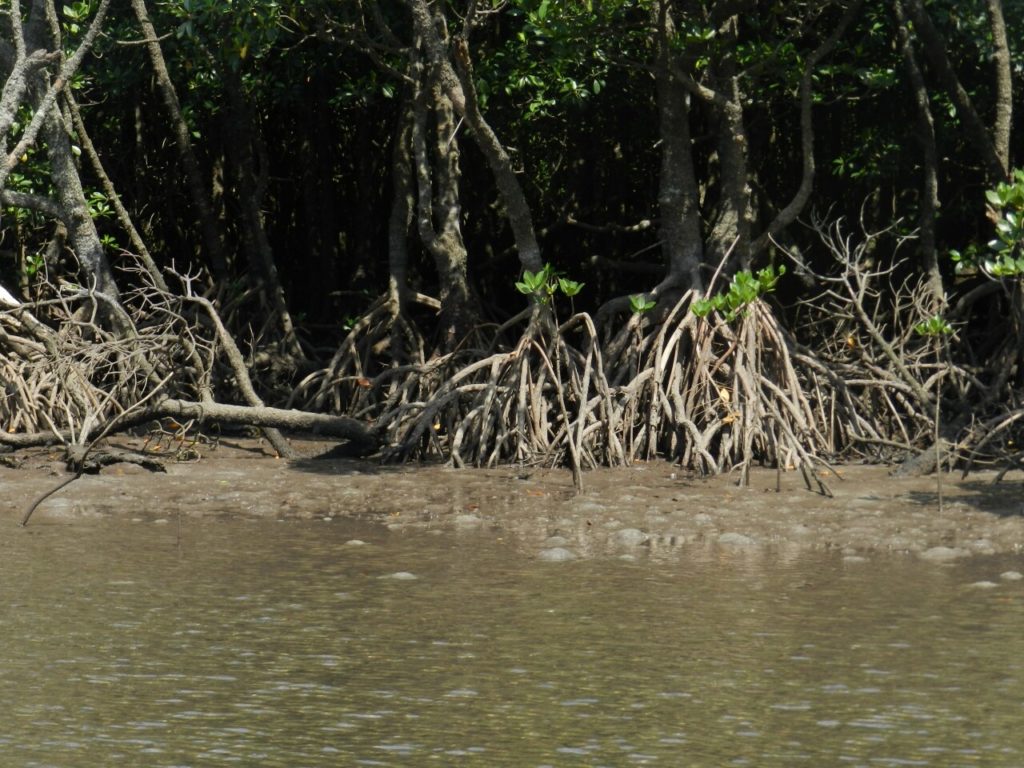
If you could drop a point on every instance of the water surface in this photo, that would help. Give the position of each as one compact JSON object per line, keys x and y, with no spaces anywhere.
{"x":279,"y":644}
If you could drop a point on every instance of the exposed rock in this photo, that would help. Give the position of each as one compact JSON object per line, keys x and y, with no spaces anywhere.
{"x":939,"y":554}
{"x":556,"y":555}
{"x":629,"y":537}
{"x":733,"y":539}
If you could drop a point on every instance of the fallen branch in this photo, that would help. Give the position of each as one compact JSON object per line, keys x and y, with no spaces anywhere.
{"x":222,"y":413}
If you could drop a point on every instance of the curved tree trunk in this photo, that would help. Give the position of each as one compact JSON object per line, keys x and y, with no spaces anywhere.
{"x":438,"y":207}
{"x":83,"y":239}
{"x":457,"y":81}
{"x":250,"y":181}
{"x":209,"y":230}
{"x":935,"y":51}
{"x":788,"y":214}
{"x":124,"y":218}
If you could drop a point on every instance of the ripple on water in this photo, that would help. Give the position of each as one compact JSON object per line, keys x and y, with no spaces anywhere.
{"x":495,"y":659}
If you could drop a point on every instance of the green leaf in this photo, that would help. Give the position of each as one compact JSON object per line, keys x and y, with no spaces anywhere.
{"x":569,"y":287}
{"x":639,"y":305}
{"x":702,"y":307}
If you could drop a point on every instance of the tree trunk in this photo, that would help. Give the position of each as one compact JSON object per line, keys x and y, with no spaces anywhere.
{"x":250,"y":180}
{"x":37,"y":43}
{"x":124,"y":218}
{"x":402,"y":206}
{"x":457,"y":82}
{"x":735,"y":216}
{"x":438,"y":210}
{"x":83,"y":239}
{"x":678,"y":196}
{"x":935,"y":51}
{"x":788,"y":214}
{"x":930,"y":169}
{"x":1004,"y":82}
{"x":213,"y":242}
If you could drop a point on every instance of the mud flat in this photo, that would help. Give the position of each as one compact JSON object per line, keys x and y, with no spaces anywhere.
{"x":650,"y":510}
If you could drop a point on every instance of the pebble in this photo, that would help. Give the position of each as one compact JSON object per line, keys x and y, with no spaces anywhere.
{"x":982,"y":547}
{"x":983,"y":585}
{"x":629,"y":537}
{"x":944,"y":553}
{"x":401,"y":576}
{"x":556,"y":555}
{"x":732,"y":539}
{"x":1011,"y":575}
{"x":355,"y":543}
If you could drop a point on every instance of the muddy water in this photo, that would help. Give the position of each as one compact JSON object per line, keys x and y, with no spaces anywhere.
{"x":199,"y":642}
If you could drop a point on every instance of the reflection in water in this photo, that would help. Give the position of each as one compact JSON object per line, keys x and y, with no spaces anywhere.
{"x":276,"y":644}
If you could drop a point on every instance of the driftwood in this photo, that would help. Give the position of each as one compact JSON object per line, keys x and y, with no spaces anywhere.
{"x":222,"y":413}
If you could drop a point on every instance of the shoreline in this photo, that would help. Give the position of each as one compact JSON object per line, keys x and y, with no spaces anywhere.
{"x":630,"y":511}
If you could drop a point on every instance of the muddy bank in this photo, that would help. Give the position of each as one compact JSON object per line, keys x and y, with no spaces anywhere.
{"x":649,"y":510}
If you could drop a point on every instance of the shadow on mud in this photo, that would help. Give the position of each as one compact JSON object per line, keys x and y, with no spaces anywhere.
{"x":1003,"y":499}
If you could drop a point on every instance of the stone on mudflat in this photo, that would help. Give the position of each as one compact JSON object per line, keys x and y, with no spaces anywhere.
{"x":733,"y":539}
{"x":629,"y":537}
{"x":939,"y":554}
{"x":556,"y":555}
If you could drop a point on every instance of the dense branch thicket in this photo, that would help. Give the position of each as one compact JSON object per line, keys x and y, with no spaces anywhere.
{"x":575,"y":234}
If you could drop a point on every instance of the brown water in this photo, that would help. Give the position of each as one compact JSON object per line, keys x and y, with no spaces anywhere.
{"x":270,"y":643}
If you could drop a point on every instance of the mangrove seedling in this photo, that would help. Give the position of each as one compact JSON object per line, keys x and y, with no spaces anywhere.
{"x":936,"y":328}
{"x":545,"y":283}
{"x":638,"y":304}
{"x":744,"y":290}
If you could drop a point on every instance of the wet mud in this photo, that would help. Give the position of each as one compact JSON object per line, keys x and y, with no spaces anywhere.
{"x":650,"y":510}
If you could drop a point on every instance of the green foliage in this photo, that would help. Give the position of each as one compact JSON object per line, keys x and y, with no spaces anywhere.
{"x":231,"y":31}
{"x":34,"y":263}
{"x":76,"y":16}
{"x":554,"y":60}
{"x":544,"y":283}
{"x":99,"y":206}
{"x":638,"y":304}
{"x":744,"y":290}
{"x":934,"y":326}
{"x":1002,"y":256}
{"x":569,"y":287}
